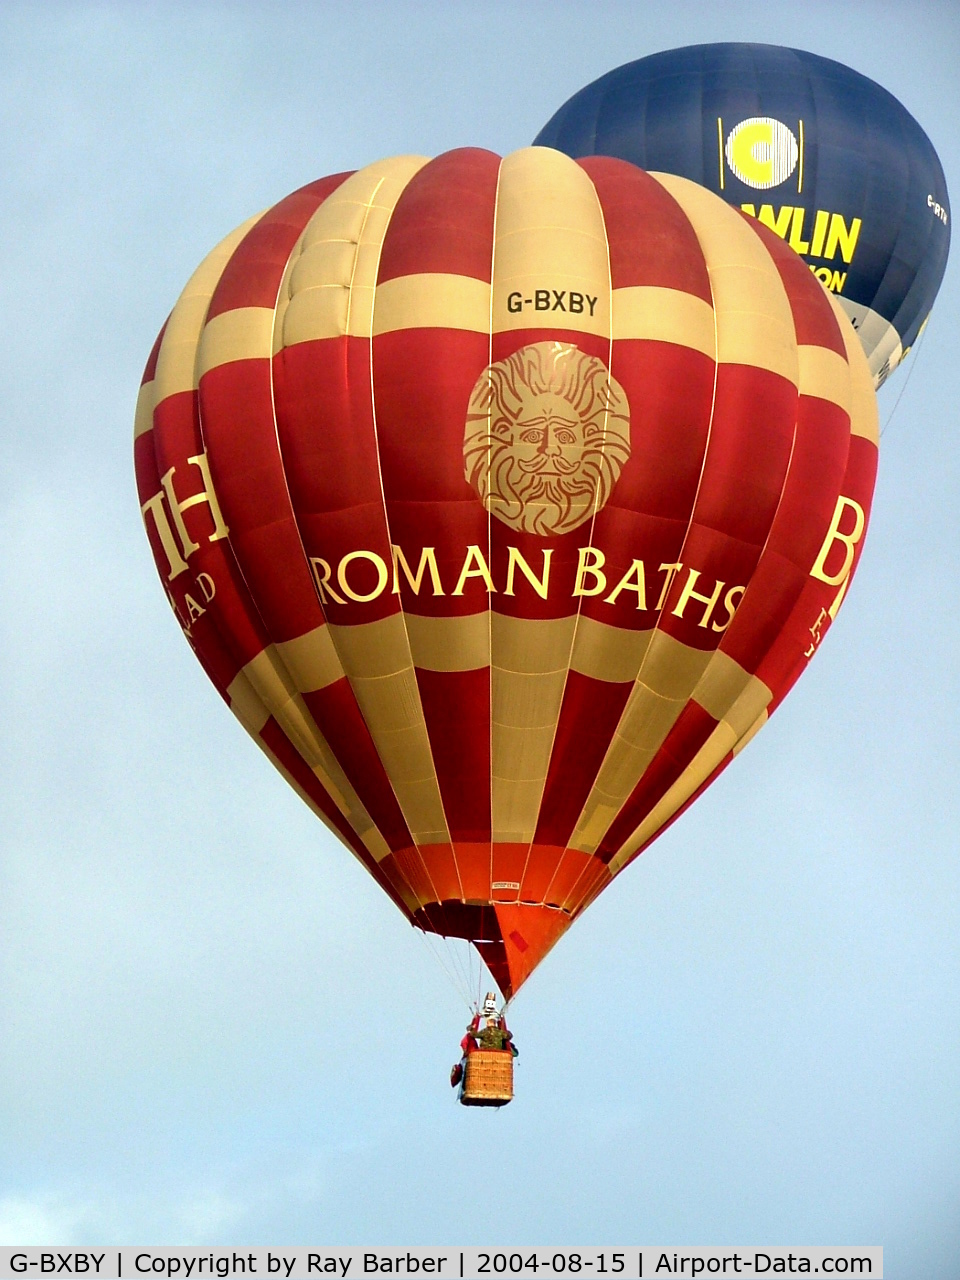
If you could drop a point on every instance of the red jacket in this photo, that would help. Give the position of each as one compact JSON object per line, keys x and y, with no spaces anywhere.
{"x":469,"y":1043}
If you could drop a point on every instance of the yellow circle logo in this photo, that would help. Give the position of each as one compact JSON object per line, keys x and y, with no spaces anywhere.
{"x":761,"y":152}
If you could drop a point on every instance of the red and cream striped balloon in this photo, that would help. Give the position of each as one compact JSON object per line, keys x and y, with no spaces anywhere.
{"x":502,"y":501}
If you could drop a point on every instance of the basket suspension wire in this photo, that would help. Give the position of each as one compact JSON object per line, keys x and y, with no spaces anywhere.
{"x":455,"y":947}
{"x":462,"y":966}
{"x":913,"y":364}
{"x":450,"y":971}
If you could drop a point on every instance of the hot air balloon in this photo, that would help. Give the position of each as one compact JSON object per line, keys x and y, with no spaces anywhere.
{"x":503,"y":501}
{"x":825,"y":157}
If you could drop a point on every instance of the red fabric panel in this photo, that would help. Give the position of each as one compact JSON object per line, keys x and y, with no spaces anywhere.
{"x":509,"y":860}
{"x":751,"y":440}
{"x":423,"y":379}
{"x":248,"y":473}
{"x":809,"y":621}
{"x":336,"y":713}
{"x":670,"y":391}
{"x":528,"y":934}
{"x":718,"y":559}
{"x":746,"y":466}
{"x":456,"y":708}
{"x":176,"y":437}
{"x":804,"y":515}
{"x":443,"y":220}
{"x":327,"y":435}
{"x":589,"y":717}
{"x":813,"y":317}
{"x":216,"y":659}
{"x":540,"y":871}
{"x":651,"y":240}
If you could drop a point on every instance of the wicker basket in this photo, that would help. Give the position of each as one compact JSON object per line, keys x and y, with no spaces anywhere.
{"x":487,"y":1078}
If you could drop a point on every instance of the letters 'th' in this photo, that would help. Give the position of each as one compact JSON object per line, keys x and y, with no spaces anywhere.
{"x":178,"y":555}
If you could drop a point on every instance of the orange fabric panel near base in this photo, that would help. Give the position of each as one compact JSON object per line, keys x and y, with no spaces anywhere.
{"x":573,"y":867}
{"x":441,"y":867}
{"x":528,"y":934}
{"x":494,"y":957}
{"x":473,"y":866}
{"x":552,"y":871}
{"x":509,"y":861}
{"x":591,"y":884}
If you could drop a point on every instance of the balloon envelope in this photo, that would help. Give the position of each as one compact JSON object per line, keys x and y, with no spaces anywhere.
{"x":826,"y":157}
{"x":502,"y":501}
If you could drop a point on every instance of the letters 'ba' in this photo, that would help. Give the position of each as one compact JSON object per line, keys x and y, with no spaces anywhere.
{"x":503,"y":500}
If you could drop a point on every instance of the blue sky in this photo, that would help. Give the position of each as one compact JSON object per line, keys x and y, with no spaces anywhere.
{"x":213,"y":1027}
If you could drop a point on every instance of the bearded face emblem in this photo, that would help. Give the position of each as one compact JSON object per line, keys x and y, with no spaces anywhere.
{"x":546,"y":437}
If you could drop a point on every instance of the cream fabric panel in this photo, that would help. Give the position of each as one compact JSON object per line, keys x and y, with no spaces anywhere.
{"x":432,"y":301}
{"x":378,"y":663}
{"x":549,"y":236}
{"x":826,"y":375}
{"x":331,"y":284}
{"x":664,"y":315}
{"x":754,"y":320}
{"x":177,"y":366}
{"x":245,"y":333}
{"x":329,"y":291}
{"x":531,"y":660}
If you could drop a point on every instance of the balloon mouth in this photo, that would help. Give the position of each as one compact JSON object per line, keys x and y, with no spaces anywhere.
{"x":510,"y":938}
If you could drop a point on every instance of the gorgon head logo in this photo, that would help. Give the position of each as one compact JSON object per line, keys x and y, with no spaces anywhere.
{"x":546,"y":437}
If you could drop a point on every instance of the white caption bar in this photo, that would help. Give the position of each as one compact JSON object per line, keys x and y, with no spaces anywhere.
{"x":620,"y":1262}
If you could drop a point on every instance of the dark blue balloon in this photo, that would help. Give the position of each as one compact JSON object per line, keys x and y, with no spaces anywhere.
{"x":826,"y":157}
